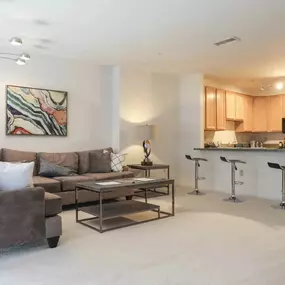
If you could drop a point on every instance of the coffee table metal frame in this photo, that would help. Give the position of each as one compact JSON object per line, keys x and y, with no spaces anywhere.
{"x":130,"y":207}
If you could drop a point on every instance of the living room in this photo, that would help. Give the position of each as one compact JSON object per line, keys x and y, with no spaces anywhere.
{"x":126,"y":80}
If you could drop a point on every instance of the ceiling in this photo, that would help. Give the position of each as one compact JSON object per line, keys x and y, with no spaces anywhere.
{"x":161,"y":35}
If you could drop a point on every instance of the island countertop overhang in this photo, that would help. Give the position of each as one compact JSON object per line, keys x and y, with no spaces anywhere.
{"x":240,"y":149}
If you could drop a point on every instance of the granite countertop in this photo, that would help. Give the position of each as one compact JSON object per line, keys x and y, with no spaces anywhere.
{"x":241,"y":149}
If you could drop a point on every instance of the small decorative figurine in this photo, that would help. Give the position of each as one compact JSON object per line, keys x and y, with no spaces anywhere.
{"x":147,"y":151}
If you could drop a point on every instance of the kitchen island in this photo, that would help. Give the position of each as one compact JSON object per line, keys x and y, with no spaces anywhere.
{"x":259,"y":180}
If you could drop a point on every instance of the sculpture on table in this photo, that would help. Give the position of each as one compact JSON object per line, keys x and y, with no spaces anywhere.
{"x":145,"y":134}
{"x":147,"y":151}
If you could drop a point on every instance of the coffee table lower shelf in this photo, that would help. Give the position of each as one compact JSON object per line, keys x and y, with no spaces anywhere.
{"x":115,"y":210}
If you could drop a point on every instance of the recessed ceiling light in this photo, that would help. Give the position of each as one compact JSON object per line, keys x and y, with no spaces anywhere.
{"x":279,"y":86}
{"x":21,"y":61}
{"x":25,"y":56}
{"x":227,"y":41}
{"x":16,"y":41}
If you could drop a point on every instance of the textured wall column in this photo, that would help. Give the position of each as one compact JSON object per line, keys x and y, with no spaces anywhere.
{"x":191,"y":102}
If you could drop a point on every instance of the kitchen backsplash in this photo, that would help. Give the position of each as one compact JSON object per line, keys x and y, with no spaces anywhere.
{"x":230,"y":136}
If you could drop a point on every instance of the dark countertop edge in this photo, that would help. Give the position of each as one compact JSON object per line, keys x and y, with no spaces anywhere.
{"x":241,"y":149}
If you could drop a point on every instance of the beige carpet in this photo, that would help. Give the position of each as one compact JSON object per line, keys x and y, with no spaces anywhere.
{"x":208,"y":242}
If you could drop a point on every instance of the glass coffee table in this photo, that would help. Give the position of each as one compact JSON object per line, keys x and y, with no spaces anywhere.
{"x":107,"y":211}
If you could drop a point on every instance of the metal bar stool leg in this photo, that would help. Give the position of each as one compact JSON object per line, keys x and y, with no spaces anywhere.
{"x":282,"y":168}
{"x":197,"y":178}
{"x":233,"y":180}
{"x":233,"y":177}
{"x":282,"y":204}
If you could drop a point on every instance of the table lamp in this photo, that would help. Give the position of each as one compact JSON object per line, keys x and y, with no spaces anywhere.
{"x":146,"y":134}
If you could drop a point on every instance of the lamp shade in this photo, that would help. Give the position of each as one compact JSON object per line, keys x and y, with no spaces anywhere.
{"x":145,"y":132}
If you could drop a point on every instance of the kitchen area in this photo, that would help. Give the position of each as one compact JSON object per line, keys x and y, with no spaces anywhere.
{"x":240,"y":120}
{"x":248,"y":127}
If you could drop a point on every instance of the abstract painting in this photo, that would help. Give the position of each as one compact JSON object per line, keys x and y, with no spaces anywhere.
{"x":33,"y":111}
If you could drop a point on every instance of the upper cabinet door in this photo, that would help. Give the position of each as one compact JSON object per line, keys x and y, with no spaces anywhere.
{"x":283,"y":106}
{"x":230,"y":105}
{"x":275,"y":113}
{"x":239,"y":105}
{"x":260,"y":114}
{"x":221,"y":109}
{"x":248,"y":113}
{"x":246,"y":124}
{"x":210,"y":108}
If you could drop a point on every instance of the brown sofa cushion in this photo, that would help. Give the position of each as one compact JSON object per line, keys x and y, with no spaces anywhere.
{"x":10,"y":155}
{"x":67,"y":159}
{"x":84,"y":159}
{"x":53,"y":204}
{"x":110,"y":175}
{"x":68,"y":182}
{"x":49,"y":169}
{"x":100,"y":161}
{"x":50,"y":185}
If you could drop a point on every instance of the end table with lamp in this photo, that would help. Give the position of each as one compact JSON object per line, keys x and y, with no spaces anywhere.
{"x":147,"y":171}
{"x":146,"y":134}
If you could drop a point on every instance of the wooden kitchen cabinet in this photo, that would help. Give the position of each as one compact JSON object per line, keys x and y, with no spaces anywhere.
{"x":234,"y":106}
{"x":221,"y":109}
{"x":283,"y":106}
{"x":275,"y":113}
{"x":210,"y":108}
{"x":239,"y":107}
{"x":230,"y":105}
{"x":246,"y":124}
{"x":260,"y":114}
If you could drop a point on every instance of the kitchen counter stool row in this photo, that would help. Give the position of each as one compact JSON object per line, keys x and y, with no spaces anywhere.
{"x":233,"y":164}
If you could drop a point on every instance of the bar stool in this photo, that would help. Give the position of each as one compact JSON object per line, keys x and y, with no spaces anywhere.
{"x":282,"y":168}
{"x":197,"y":178}
{"x":233,"y":163}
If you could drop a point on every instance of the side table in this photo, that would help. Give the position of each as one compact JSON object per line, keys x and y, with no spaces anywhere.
{"x":147,"y":173}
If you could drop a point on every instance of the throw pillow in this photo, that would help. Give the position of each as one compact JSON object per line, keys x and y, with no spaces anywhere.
{"x":49,"y":169}
{"x":100,"y":161}
{"x":117,"y":161}
{"x":14,"y":176}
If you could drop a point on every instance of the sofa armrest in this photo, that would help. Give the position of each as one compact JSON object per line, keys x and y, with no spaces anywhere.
{"x":136,"y":172}
{"x":22,"y":216}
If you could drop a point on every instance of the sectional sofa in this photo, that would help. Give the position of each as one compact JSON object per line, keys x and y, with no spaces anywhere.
{"x":31,"y":214}
{"x":64,"y":186}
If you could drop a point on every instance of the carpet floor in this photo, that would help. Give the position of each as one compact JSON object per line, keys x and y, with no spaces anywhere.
{"x":208,"y":242}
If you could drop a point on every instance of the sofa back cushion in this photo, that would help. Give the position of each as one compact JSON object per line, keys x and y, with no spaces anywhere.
{"x":65,"y":159}
{"x":100,"y":161}
{"x":84,"y":159}
{"x":10,"y":155}
{"x":49,"y":169}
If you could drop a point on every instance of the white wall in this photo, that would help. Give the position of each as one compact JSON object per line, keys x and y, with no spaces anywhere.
{"x":191,"y":123}
{"x":150,"y":98}
{"x":87,"y":107}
